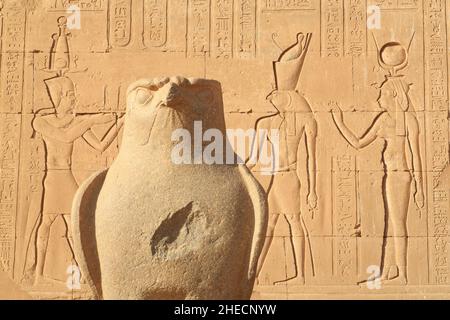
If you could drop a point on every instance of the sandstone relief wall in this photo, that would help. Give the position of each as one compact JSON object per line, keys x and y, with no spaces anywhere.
{"x":356,"y":90}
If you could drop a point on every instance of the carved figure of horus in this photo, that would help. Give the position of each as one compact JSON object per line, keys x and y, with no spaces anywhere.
{"x":294,"y":122}
{"x":148,"y":228}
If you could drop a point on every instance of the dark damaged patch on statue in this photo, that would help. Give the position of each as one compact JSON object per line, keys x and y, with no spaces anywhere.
{"x":176,"y":234}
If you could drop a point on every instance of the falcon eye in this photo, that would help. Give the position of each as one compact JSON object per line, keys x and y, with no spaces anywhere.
{"x":143,"y":96}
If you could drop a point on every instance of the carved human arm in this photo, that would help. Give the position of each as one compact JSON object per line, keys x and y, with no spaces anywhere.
{"x":352,"y":139}
{"x":311,"y":137}
{"x":102,"y":145}
{"x":255,"y":144}
{"x":413,"y":141}
{"x":252,"y":159}
{"x":69,"y":135}
{"x":62,"y":122}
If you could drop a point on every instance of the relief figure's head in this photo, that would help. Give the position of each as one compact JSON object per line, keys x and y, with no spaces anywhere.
{"x":288,"y":101}
{"x":394,"y":95}
{"x":62,"y":95}
{"x":67,"y":104}
{"x":280,"y":99}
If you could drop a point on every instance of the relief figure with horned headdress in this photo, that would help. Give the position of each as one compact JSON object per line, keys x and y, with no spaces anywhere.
{"x":398,"y":128}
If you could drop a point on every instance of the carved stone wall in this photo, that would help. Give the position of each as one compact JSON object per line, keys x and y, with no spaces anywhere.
{"x":368,"y":221}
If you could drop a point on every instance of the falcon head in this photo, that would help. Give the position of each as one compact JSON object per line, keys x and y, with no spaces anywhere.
{"x":161,"y":105}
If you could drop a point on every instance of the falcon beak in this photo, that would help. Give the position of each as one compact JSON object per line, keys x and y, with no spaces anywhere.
{"x":172,"y":95}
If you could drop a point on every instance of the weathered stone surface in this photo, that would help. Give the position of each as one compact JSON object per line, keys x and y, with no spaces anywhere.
{"x":10,"y":290}
{"x":164,"y":230}
{"x":353,"y":197}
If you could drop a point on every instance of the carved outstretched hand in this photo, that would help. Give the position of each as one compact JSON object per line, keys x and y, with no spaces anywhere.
{"x":419,"y":199}
{"x":336,"y":111}
{"x":312,"y":200}
{"x":300,"y":37}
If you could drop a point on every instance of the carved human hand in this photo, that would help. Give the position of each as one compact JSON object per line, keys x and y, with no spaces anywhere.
{"x":336,"y":111}
{"x":419,"y":199}
{"x":102,"y":118}
{"x":300,"y":37}
{"x":312,"y":200}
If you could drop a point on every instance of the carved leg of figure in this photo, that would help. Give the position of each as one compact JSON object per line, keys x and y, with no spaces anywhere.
{"x":388,"y":263}
{"x":70,"y":240}
{"x":42,"y":243}
{"x":398,"y":188}
{"x":298,"y":242}
{"x":69,"y":234}
{"x":388,"y":271}
{"x":273,"y":218}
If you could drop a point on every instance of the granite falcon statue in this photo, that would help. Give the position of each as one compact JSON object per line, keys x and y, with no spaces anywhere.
{"x":147,"y":228}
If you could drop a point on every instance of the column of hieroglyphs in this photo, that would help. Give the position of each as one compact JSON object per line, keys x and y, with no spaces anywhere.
{"x":344,"y":218}
{"x":155,"y":23}
{"x":11,"y":89}
{"x":199,"y":17}
{"x":119,"y":23}
{"x":222,"y":28}
{"x":332,"y":28}
{"x":436,"y":93}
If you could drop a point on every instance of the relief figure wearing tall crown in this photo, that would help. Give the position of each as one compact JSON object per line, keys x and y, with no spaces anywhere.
{"x":294,"y":122}
{"x":59,"y":127}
